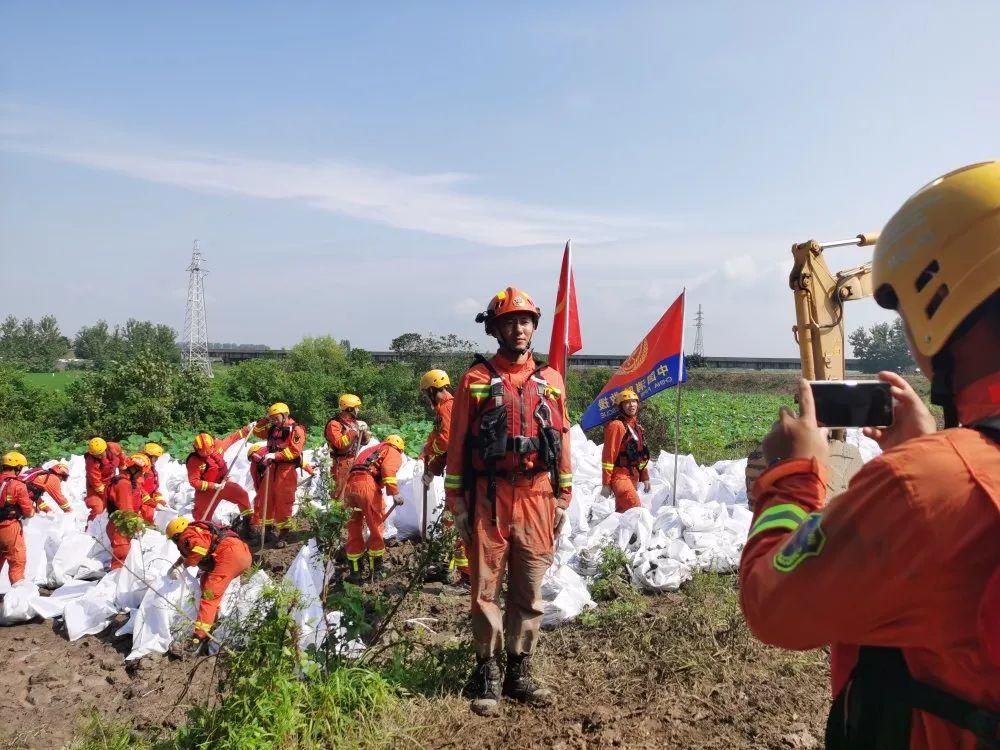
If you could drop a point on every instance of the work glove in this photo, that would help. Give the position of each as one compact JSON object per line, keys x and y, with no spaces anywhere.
{"x":647,"y":487}
{"x":463,"y":527}
{"x":605,"y":490}
{"x":428,"y":479}
{"x":174,"y":573}
{"x":269,"y":457}
{"x":397,"y":500}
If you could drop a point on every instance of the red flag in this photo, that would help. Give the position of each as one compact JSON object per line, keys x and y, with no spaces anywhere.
{"x":566,"y":337}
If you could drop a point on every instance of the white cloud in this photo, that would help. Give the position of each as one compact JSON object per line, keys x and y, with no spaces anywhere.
{"x":468,"y":306}
{"x":440,"y":203}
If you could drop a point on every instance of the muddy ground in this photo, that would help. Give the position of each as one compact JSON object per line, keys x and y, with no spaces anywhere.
{"x":682,"y":673}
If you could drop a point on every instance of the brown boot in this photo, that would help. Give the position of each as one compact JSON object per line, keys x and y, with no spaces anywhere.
{"x":518,"y":685}
{"x":484,"y":687}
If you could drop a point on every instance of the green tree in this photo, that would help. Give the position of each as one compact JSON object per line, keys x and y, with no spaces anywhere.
{"x":320,"y":354}
{"x":97,"y":343}
{"x":30,"y":345}
{"x":148,"y":338}
{"x":448,"y":352}
{"x":882,"y":347}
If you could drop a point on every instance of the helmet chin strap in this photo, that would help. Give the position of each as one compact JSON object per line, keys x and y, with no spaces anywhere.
{"x":506,"y":348}
{"x":942,"y":387}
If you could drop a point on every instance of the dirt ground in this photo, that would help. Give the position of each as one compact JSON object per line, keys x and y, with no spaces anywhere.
{"x":684,"y":673}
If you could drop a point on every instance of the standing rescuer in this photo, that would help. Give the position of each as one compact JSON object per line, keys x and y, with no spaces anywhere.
{"x":101,"y":464}
{"x":435,"y":385}
{"x":286,"y":439}
{"x":208,"y":475}
{"x":152,"y":497}
{"x":47,"y":482}
{"x":625,"y":455}
{"x":374,"y":470}
{"x":509,"y":483}
{"x":125,"y":493}
{"x":901,"y":562}
{"x":345,"y":435}
{"x":220,"y":555}
{"x":15,"y":504}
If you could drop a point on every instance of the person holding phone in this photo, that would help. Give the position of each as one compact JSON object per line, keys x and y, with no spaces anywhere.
{"x":900,"y":573}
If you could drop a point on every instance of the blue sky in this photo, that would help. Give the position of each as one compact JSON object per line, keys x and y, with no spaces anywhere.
{"x":365,"y":172}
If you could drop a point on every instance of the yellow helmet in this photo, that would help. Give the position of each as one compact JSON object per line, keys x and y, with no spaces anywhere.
{"x":278,"y":408}
{"x":434,"y":379}
{"x":350,"y":401}
{"x":97,"y":446}
{"x":938,"y":258}
{"x":255,"y":448}
{"x":14,"y":460}
{"x":624,"y":395}
{"x":396,"y":442}
{"x":153,"y":449}
{"x":177,"y":526}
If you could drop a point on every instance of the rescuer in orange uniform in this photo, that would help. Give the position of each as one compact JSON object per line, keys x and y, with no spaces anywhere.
{"x":125,"y":493}
{"x":101,"y":464}
{"x":15,"y":504}
{"x":207,"y":473}
{"x":435,"y":385}
{"x":152,"y":497}
{"x":374,"y":469}
{"x":345,"y":435}
{"x":899,"y":563}
{"x":220,"y":555}
{"x":47,"y":481}
{"x":286,"y":439}
{"x":625,"y":455}
{"x":509,"y":483}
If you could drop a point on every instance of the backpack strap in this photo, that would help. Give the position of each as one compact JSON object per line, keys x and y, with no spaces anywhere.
{"x":990,"y":427}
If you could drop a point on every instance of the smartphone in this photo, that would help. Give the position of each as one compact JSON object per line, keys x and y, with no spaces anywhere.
{"x":852,"y":403}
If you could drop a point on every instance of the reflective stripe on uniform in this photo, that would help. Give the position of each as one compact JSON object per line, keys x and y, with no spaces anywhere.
{"x":608,"y":467}
{"x":479,"y":391}
{"x":288,"y":454}
{"x":565,"y":480}
{"x":203,"y":626}
{"x":200,"y":550}
{"x":204,"y":485}
{"x":389,"y":480}
{"x":453,"y":482}
{"x":786,"y":516}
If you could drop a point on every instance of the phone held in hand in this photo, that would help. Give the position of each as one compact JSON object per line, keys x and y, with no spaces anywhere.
{"x":852,"y":403}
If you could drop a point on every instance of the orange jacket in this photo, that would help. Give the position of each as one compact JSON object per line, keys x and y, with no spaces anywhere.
{"x":151,"y":486}
{"x":902,"y":558}
{"x":99,"y":471}
{"x":14,"y":492}
{"x":45,"y":482}
{"x":286,"y":442}
{"x":470,"y":398}
{"x":194,"y":544}
{"x":615,"y":433}
{"x":124,"y":495}
{"x":382,"y":461}
{"x":435,"y":450}
{"x":211,"y":469}
{"x":342,"y":435}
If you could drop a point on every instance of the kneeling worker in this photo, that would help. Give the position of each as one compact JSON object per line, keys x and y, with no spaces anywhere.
{"x":220,"y":555}
{"x":374,"y":469}
{"x":625,"y":457}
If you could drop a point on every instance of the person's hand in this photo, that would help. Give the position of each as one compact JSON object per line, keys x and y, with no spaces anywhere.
{"x":428,"y":479}
{"x":463,"y":527}
{"x":797,"y":437}
{"x":910,"y":416}
{"x":397,"y":500}
{"x":174,"y":573}
{"x":269,"y":457}
{"x":647,"y":486}
{"x":558,"y":522}
{"x":605,"y":490}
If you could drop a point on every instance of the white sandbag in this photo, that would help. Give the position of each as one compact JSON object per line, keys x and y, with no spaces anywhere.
{"x":659,"y":572}
{"x":307,"y":575}
{"x":53,"y":605}
{"x":78,"y":556}
{"x":157,"y":622}
{"x":92,"y":612}
{"x":17,"y":603}
{"x":238,"y":602}
{"x":565,"y":594}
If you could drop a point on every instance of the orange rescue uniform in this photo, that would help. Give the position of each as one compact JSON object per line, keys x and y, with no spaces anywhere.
{"x":126,"y":495}
{"x":42,"y":481}
{"x":521,"y":541}
{"x":618,"y":471}
{"x":152,"y":497}
{"x":205,"y":473}
{"x":15,"y":504}
{"x":343,"y":436}
{"x":281,"y":477}
{"x":435,"y":456}
{"x":901,"y":558}
{"x":229,"y":559}
{"x":374,"y":469}
{"x":99,"y":473}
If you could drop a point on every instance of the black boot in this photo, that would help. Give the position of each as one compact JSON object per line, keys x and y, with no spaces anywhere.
{"x":355,"y":572}
{"x":519,"y":686}
{"x":270,"y":535}
{"x":379,"y":571}
{"x":484,"y":687}
{"x":193,"y":646}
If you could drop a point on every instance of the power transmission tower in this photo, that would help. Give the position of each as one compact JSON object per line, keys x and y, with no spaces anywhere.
{"x":195,"y":343}
{"x":699,"y":341}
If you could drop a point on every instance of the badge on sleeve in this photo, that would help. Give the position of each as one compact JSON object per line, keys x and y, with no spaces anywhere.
{"x":807,"y":541}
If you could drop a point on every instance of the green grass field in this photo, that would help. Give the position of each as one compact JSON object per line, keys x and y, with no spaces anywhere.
{"x":52,"y":381}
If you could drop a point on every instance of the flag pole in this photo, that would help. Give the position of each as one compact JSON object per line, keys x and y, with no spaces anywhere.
{"x":677,"y":415}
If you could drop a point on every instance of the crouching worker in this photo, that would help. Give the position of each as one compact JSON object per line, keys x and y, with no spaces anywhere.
{"x":208,"y":475}
{"x":15,"y":504}
{"x":221,"y":556}
{"x":48,"y":482}
{"x":373,"y":469}
{"x":625,"y":456}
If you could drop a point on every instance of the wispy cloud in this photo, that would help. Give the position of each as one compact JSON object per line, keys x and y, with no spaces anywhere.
{"x":441,"y":203}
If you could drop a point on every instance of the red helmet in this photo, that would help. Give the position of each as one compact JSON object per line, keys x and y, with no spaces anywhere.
{"x":510,"y":300}
{"x":60,"y":470}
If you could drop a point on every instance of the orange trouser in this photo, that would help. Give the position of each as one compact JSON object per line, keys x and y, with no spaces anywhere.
{"x":204,"y":505}
{"x":12,"y":550}
{"x":521,"y":543}
{"x":96,"y":504}
{"x":276,"y":498}
{"x":339,"y":471}
{"x":365,"y":497}
{"x":232,"y":558}
{"x":120,"y":545}
{"x":623,"y":484}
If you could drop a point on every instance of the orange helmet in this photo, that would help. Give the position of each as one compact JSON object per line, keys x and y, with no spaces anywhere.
{"x":203,"y":442}
{"x":60,"y":470}
{"x":137,"y":460}
{"x":505,"y":302}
